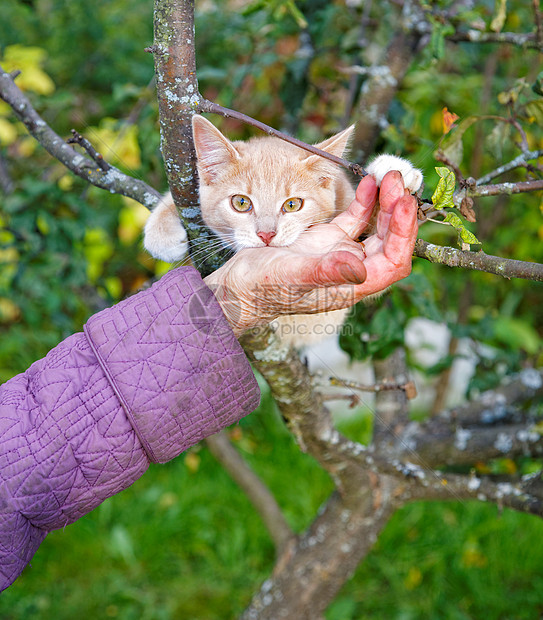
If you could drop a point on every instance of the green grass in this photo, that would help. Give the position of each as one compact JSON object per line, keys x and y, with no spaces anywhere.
{"x":184,"y":543}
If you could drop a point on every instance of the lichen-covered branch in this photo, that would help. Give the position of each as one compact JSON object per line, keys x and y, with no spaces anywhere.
{"x":500,"y":404}
{"x":499,"y":189}
{"x":391,"y":407}
{"x":479,"y":261}
{"x":112,"y":179}
{"x":499,"y":424}
{"x":520,"y":160}
{"x":178,"y":98}
{"x":526,"y":40}
{"x":524,"y":495}
{"x":313,"y":568}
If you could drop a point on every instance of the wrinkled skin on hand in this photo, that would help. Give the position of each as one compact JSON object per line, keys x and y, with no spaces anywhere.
{"x":325,"y":268}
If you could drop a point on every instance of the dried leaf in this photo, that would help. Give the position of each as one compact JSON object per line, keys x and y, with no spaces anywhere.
{"x":449,"y":119}
{"x":466,"y":209}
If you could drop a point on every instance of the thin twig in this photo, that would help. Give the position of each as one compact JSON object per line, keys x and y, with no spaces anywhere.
{"x":77,"y":138}
{"x":408,"y":387}
{"x":214,"y":108}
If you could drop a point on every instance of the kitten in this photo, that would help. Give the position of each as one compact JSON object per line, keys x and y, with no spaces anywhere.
{"x":263,"y":192}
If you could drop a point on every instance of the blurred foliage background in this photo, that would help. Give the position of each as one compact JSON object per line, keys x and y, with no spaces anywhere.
{"x":184,"y":542}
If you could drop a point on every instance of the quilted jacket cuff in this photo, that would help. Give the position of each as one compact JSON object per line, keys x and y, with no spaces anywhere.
{"x":174,"y":363}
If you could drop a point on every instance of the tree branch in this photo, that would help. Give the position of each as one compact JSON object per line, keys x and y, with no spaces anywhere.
{"x":525,"y":495}
{"x":521,"y":160}
{"x":112,"y":180}
{"x":526,"y":40}
{"x":498,"y":424}
{"x":312,"y":570}
{"x":178,"y":98}
{"x":6,"y":182}
{"x":257,"y":492}
{"x":493,"y":406}
{"x":479,"y":261}
{"x":499,"y":189}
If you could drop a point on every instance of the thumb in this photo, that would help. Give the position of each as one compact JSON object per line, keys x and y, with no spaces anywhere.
{"x":334,"y":269}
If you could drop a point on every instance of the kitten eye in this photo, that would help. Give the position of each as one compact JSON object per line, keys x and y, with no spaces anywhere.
{"x":241,"y":203}
{"x":292,"y":204}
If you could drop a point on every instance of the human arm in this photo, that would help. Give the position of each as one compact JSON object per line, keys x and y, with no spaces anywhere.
{"x":146,"y":380}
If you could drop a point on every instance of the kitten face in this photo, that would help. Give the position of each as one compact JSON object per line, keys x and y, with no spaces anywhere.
{"x":266,"y":191}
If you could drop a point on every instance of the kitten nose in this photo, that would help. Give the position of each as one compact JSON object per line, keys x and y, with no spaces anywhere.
{"x":266,"y":236}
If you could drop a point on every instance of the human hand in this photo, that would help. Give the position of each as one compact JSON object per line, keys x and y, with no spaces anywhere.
{"x":325,"y":268}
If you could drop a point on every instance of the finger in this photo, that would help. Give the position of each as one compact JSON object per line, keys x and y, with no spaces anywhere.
{"x":392,"y":189}
{"x":402,"y":231}
{"x":393,"y":260}
{"x":354,"y":220}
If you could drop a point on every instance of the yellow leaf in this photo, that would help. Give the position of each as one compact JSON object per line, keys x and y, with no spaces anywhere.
{"x":98,"y":248}
{"x":27,"y":146}
{"x":167,"y":500}
{"x":8,"y":132}
{"x":192,"y":461}
{"x":9,"y":311}
{"x":66,"y":182}
{"x":117,"y":144}
{"x":472,"y":555}
{"x":114,"y":286}
{"x":414,"y":578}
{"x":501,"y":15}
{"x":29,"y":61}
{"x":42,"y":225}
{"x":131,"y":220}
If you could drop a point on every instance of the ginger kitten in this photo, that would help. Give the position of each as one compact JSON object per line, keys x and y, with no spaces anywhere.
{"x":266,"y":192}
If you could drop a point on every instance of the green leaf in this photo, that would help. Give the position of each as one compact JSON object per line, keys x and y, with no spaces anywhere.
{"x":498,"y":21}
{"x":464,"y":235}
{"x":516,"y":333}
{"x":452,"y":144}
{"x":534,"y":110}
{"x":443,"y":194}
{"x":537,"y":86}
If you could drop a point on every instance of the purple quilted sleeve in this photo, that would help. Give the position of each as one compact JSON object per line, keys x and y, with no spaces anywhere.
{"x":149,"y":378}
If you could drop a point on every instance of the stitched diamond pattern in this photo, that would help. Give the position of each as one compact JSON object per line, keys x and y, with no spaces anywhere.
{"x":153,"y":375}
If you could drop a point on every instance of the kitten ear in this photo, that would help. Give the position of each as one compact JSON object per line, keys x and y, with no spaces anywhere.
{"x":334,"y":145}
{"x":214,"y":150}
{"x":337,"y":144}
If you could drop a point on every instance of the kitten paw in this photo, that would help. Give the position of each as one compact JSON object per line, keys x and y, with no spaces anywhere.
{"x":412,"y":177}
{"x":164,"y":236}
